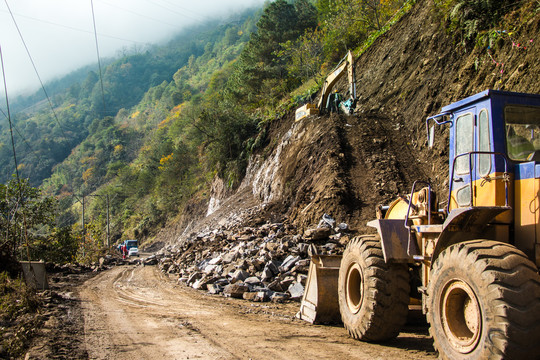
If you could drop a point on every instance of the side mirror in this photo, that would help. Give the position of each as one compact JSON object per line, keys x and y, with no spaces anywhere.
{"x":431,"y":136}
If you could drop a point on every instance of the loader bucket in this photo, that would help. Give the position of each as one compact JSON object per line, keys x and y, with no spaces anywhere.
{"x":320,"y":301}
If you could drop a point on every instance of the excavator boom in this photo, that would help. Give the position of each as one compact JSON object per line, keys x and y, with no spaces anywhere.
{"x":346,"y":64}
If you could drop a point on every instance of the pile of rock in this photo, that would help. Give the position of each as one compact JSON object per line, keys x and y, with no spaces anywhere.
{"x":266,"y":263}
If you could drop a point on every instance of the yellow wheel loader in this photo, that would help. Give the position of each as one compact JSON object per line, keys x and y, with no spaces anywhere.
{"x":473,"y":264}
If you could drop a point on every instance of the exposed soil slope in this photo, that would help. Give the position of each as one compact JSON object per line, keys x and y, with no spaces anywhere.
{"x":345,"y":166}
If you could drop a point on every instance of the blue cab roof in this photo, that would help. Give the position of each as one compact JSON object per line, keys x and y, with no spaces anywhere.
{"x":530,"y":99}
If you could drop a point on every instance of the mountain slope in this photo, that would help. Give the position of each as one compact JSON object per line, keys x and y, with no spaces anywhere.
{"x":345,"y":166}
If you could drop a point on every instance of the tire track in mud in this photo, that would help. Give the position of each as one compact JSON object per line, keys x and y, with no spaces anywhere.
{"x":123,"y":320}
{"x":137,"y":312}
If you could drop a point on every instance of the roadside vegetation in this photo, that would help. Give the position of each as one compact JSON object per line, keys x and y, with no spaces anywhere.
{"x":173,"y":117}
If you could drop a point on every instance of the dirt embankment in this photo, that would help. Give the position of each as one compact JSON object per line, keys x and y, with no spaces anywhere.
{"x":408,"y":74}
{"x":345,"y":166}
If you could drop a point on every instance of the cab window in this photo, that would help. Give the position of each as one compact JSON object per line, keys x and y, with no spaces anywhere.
{"x":464,"y":141}
{"x":484,"y":143}
{"x":522,"y":125}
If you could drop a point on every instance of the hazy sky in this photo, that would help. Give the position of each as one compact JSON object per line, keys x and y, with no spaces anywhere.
{"x":59,"y":34}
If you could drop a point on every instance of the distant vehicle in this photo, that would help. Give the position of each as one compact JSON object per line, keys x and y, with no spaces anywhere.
{"x":134,"y":251}
{"x":130,"y":243}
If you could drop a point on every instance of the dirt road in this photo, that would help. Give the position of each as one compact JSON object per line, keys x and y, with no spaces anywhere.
{"x":138,"y":313}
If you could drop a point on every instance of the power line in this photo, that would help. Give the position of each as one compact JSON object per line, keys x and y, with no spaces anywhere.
{"x":98,"y":57}
{"x":136,"y":13}
{"x":37,"y":74}
{"x":73,"y":28}
{"x":174,"y":11}
{"x":18,"y":132}
{"x":9,"y":117}
{"x":32,"y":150}
{"x":35,"y":69}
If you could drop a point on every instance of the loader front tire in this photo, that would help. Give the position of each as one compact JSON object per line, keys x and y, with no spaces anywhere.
{"x":484,"y":302}
{"x":373,"y":295}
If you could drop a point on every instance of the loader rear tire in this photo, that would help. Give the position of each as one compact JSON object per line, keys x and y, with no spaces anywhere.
{"x":373,"y":295}
{"x":484,"y":302}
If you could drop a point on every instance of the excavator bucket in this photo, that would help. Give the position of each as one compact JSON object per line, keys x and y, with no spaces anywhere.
{"x":320,"y":301}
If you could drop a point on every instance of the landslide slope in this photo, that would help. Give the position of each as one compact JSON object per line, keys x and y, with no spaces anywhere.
{"x":345,"y":165}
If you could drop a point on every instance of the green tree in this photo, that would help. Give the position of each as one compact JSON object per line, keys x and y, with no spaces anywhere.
{"x":347,"y":23}
{"x":306,"y":56}
{"x":23,"y":210}
{"x":260,"y":70}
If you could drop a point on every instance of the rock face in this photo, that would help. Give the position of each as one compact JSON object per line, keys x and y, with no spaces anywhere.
{"x":265,"y":263}
{"x":345,"y":165}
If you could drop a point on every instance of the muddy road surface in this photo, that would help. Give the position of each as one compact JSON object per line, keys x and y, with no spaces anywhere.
{"x":135,"y":312}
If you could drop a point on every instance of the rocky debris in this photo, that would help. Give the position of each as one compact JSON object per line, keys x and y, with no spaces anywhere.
{"x":46,"y":324}
{"x":151,"y":260}
{"x":269,"y":262}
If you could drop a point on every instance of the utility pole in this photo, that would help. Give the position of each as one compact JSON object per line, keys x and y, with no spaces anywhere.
{"x":108,"y":224}
{"x":83,"y":228}
{"x":82,"y":222}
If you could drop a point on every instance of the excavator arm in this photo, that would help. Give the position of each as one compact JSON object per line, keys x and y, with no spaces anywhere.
{"x":348,"y":106}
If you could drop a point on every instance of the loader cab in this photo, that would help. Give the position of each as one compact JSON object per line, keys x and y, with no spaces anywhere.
{"x":495,"y":161}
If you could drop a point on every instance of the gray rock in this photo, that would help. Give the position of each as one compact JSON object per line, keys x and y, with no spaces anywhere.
{"x":239,"y":275}
{"x":229,"y":257}
{"x":288,"y":263}
{"x":200,"y":284}
{"x":252,"y":280}
{"x":326,"y":221}
{"x":194,"y":277}
{"x":279,"y":297}
{"x":214,"y":288}
{"x":342,"y":227}
{"x":296,"y":290}
{"x":262,"y":296}
{"x":287,"y":281}
{"x":274,"y":266}
{"x":267,"y":274}
{"x":235,"y":290}
{"x":276,"y":286}
{"x":321,"y":233}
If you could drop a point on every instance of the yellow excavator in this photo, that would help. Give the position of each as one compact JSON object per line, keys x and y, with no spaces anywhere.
{"x":332,"y":101}
{"x":471,"y":265}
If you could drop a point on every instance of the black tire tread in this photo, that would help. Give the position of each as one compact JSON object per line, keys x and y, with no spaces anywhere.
{"x":512,"y":288}
{"x":386,"y":302}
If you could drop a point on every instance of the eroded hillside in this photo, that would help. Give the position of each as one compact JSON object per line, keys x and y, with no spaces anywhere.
{"x":346,"y":165}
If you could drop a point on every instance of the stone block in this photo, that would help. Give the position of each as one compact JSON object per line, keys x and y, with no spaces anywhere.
{"x":235,"y":290}
{"x":214,"y":288}
{"x":296,"y":290}
{"x":239,"y":275}
{"x":279,"y":297}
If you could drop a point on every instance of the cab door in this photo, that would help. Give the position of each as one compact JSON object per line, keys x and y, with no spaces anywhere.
{"x":462,"y":165}
{"x":476,"y":180}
